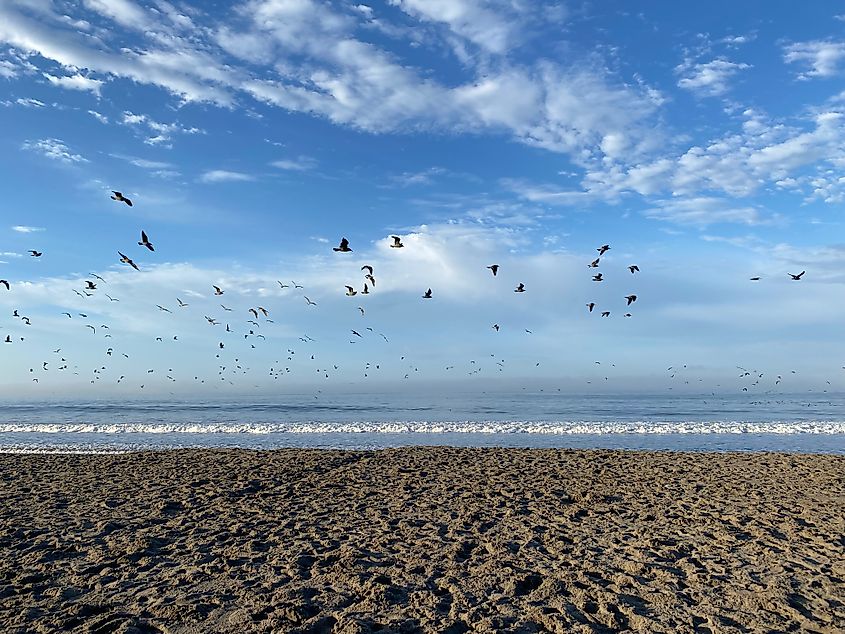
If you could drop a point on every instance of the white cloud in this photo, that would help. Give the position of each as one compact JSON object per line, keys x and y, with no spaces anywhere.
{"x":76,"y":82}
{"x":163,"y":132}
{"x":704,"y":211}
{"x":26,"y":102}
{"x":54,"y":149}
{"x":98,"y":116}
{"x":299,"y":164}
{"x":124,"y":12}
{"x":10,"y":254}
{"x":222,"y":176}
{"x":27,"y":229}
{"x":823,"y":57}
{"x":710,"y":79}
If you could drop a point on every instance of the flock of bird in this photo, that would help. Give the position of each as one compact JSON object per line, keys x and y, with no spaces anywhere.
{"x":229,"y":367}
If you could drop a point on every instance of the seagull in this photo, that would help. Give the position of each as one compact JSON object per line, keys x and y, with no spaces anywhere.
{"x":494,"y":268}
{"x":181,"y":303}
{"x":6,"y":284}
{"x":627,"y":314}
{"x":295,"y":285}
{"x":371,"y":279}
{"x":427,"y":294}
{"x":127,"y":260}
{"x":634,"y":269}
{"x":496,"y":327}
{"x":226,"y":308}
{"x":594,"y":264}
{"x":35,"y":254}
{"x":264,"y":311}
{"x":631,"y":299}
{"x":112,"y":299}
{"x":91,"y":327}
{"x":356,"y":333}
{"x":796,"y":277}
{"x":397,"y":242}
{"x":351,"y":291}
{"x":598,"y":278}
{"x":603,"y":249}
{"x":606,"y":313}
{"x":217,"y":290}
{"x":361,"y":308}
{"x":145,"y":242}
{"x":310,"y":303}
{"x":254,"y":312}
{"x":754,"y":279}
{"x":68,"y":315}
{"x":344,"y":246}
{"x":368,"y":269}
{"x":98,"y":277}
{"x":520,"y":288}
{"x":366,"y":290}
{"x":213,"y":322}
{"x":591,"y":306}
{"x":90,"y":285}
{"x":283,"y":285}
{"x":120,"y":197}
{"x":164,"y":309}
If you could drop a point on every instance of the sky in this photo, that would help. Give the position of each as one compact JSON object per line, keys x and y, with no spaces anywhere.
{"x":704,"y":144}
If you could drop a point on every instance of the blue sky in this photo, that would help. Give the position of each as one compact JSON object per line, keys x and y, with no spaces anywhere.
{"x":704,"y":144}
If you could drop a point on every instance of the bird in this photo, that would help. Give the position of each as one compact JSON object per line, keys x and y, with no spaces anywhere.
{"x":634,"y":269}
{"x":598,"y":277}
{"x":357,"y":334}
{"x":494,"y":268}
{"x":344,"y":246}
{"x":181,"y":303}
{"x":796,"y":277}
{"x":145,"y":242}
{"x":368,"y":269}
{"x":603,"y":249}
{"x":90,"y":285}
{"x":6,"y":284}
{"x":112,"y":299}
{"x":97,"y":277}
{"x":35,"y":254}
{"x":226,"y":308}
{"x":594,"y":264}
{"x":631,"y":299}
{"x":162,"y":308}
{"x":591,"y":306}
{"x":351,"y":291}
{"x":254,"y":312}
{"x":397,"y":242}
{"x":217,"y":290}
{"x":496,"y":327}
{"x":263,"y":311}
{"x":361,"y":308}
{"x":627,"y":314}
{"x":126,"y":260}
{"x":606,"y":313}
{"x":213,"y":322}
{"x":120,"y":197}
{"x":295,"y":285}
{"x":310,"y":303}
{"x":371,"y":279}
{"x":8,"y":339}
{"x":427,"y":294}
{"x":520,"y":288}
{"x":69,"y":316}
{"x":754,"y":279}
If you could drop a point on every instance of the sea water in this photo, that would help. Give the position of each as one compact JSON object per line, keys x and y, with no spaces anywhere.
{"x":807,"y":423}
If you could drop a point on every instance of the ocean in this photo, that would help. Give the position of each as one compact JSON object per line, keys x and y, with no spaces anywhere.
{"x":808,"y":423}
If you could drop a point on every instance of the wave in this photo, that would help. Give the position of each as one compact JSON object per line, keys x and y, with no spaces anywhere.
{"x":437,"y":427}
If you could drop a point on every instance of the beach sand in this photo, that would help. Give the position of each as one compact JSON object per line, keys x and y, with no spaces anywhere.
{"x":422,"y":540}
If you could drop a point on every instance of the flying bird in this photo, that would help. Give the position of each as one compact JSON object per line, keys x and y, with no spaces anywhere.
{"x":366,"y":290}
{"x":606,"y":313}
{"x":368,"y":269}
{"x":397,"y":242}
{"x":591,"y":306}
{"x":494,"y":268}
{"x":310,"y":303}
{"x":181,"y":303}
{"x":357,"y":334}
{"x":283,"y":285}
{"x":6,"y":284}
{"x":344,"y":246}
{"x":121,"y":198}
{"x":145,"y":242}
{"x":796,"y":277}
{"x":598,"y":277}
{"x":631,"y":299}
{"x":594,"y":264}
{"x":112,"y":299}
{"x":263,"y":311}
{"x":351,"y":291}
{"x":126,"y":260}
{"x":634,"y":269}
{"x":162,"y":308}
{"x":254,"y":312}
{"x":427,"y":294}
{"x":520,"y":288}
{"x":754,"y":279}
{"x":35,"y":254}
{"x":603,"y":249}
{"x":371,"y":279}
{"x":496,"y":327}
{"x":217,"y":290}
{"x":90,"y":285}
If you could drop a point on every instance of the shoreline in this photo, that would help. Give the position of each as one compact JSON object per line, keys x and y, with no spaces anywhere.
{"x":422,"y":539}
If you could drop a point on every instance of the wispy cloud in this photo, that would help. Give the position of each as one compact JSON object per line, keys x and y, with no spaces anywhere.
{"x":710,"y":79}
{"x":162,"y":132}
{"x":222,"y":176}
{"x":76,"y":82}
{"x":299,"y":164}
{"x":26,"y":102}
{"x":822,"y":56}
{"x":27,"y":229}
{"x":704,"y":211}
{"x":54,"y":149}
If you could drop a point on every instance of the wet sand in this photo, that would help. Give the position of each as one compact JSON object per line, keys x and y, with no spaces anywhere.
{"x":422,"y":540}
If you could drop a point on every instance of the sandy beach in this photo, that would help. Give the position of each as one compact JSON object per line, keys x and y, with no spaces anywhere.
{"x":422,"y":540}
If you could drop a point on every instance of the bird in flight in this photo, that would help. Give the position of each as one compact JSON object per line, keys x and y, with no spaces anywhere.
{"x":254,"y":312}
{"x":120,"y":197}
{"x":90,"y":286}
{"x":520,"y":288}
{"x":217,"y":290}
{"x":598,"y":277}
{"x":162,"y":308}
{"x":634,"y":269}
{"x":368,"y":269}
{"x":295,"y":285}
{"x":796,"y":277}
{"x":112,"y":299}
{"x":226,"y":308}
{"x":606,"y":313}
{"x":35,"y":254}
{"x":310,"y":303}
{"x":591,"y":306}
{"x":366,"y":290}
{"x":145,"y":242}
{"x":351,"y":291}
{"x":494,"y":268}
{"x":594,"y":264}
{"x":397,"y":242}
{"x":344,"y":246}
{"x":631,"y":299}
{"x":754,"y":279}
{"x":603,"y":249}
{"x":496,"y":327}
{"x":126,"y":260}
{"x":263,"y":311}
{"x":427,"y":294}
{"x":6,"y":284}
{"x":371,"y":279}
{"x":357,"y":334}
{"x":181,"y":303}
